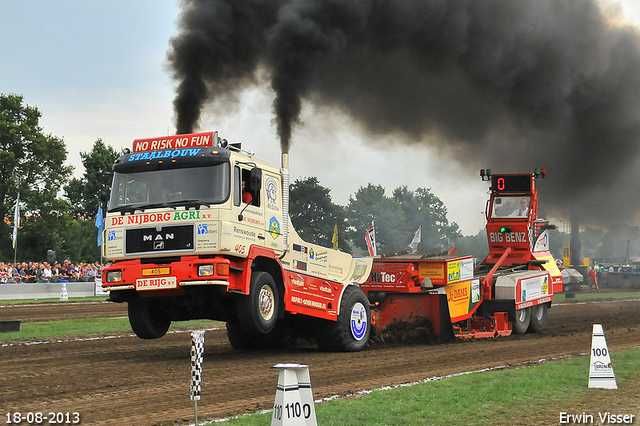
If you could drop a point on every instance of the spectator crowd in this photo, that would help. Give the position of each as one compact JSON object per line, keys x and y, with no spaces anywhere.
{"x":35,"y":272}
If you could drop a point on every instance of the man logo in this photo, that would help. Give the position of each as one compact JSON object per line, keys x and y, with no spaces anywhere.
{"x":158,"y":245}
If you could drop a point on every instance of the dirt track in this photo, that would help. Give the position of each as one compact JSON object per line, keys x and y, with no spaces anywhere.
{"x":122,"y":380}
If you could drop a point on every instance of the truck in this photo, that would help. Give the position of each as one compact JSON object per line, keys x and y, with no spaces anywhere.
{"x":511,"y":290}
{"x":198,"y":228}
{"x":183,"y":244}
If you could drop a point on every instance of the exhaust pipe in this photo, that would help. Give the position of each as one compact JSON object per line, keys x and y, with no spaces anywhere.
{"x":285,"y":200}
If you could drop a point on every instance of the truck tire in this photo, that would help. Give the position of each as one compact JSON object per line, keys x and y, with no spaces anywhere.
{"x":238,"y":338}
{"x":243,"y":340}
{"x":147,"y":319}
{"x":350,"y":333}
{"x":522,"y":320}
{"x":258,"y":312}
{"x":538,"y":318}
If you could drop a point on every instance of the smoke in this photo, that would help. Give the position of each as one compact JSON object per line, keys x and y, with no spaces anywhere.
{"x":499,"y":84}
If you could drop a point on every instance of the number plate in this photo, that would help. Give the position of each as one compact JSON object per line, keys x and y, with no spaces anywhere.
{"x":155,"y":271}
{"x":159,"y":283}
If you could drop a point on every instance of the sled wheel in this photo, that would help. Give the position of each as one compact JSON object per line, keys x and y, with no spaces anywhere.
{"x":523,"y":318}
{"x":147,"y":319}
{"x":538,"y":318}
{"x":350,"y":333}
{"x":258,"y":312}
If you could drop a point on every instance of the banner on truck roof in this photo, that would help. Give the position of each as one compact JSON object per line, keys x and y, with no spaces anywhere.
{"x":191,"y":140}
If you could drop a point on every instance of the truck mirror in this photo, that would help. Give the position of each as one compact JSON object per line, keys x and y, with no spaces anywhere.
{"x":255,"y":180}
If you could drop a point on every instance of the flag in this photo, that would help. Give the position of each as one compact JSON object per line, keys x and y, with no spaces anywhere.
{"x":334,"y":239}
{"x":417,"y":237}
{"x":99,"y":225}
{"x":370,"y":239}
{"x":16,"y":221}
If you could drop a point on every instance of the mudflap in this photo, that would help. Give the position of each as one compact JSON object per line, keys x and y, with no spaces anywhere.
{"x":415,"y":308}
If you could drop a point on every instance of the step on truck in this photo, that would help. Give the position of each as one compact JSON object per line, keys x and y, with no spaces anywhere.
{"x":197,"y":228}
{"x":511,"y":290}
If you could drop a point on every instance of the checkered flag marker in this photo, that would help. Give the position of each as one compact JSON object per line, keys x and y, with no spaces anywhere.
{"x":197,"y":351}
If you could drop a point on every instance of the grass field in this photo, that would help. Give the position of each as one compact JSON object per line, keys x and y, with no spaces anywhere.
{"x":89,"y":326}
{"x":531,"y":395}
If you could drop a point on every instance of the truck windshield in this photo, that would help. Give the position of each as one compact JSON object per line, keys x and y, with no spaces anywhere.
{"x":510,"y":206}
{"x":171,"y":187}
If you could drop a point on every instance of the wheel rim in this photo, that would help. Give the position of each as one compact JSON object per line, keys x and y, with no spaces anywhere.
{"x":539,"y":312}
{"x":267,"y":302}
{"x":522,"y":315}
{"x":358,"y":321}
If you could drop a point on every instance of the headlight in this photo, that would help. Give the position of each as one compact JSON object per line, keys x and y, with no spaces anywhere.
{"x":205,"y":270}
{"x":114,"y":276}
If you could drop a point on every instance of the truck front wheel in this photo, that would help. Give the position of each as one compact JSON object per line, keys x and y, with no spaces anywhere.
{"x":350,"y":333}
{"x":147,"y":319}
{"x":258,"y":312}
{"x":523,"y":318}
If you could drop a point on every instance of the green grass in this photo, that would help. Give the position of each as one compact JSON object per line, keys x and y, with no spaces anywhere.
{"x":589,"y":295}
{"x":495,"y":397}
{"x":75,"y":327}
{"x":50,"y":300}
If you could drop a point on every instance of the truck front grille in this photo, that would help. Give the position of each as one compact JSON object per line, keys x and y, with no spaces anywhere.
{"x":160,"y":239}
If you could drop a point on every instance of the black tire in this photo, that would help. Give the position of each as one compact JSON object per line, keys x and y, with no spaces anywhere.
{"x":350,"y":333}
{"x":147,"y":319}
{"x":243,"y":340}
{"x":539,"y":315}
{"x":258,"y":312}
{"x":239,"y":338}
{"x":521,"y":321}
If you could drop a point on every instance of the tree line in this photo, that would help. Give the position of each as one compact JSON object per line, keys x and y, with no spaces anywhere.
{"x":58,"y":211}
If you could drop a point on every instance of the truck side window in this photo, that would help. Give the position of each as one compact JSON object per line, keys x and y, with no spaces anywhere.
{"x":249,"y":194}
{"x":237,"y":182}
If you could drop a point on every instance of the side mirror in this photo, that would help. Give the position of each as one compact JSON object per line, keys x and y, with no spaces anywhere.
{"x":255,"y":180}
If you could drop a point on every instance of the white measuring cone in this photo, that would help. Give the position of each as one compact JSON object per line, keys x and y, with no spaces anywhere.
{"x":306,"y":396}
{"x":290,"y":409}
{"x":601,"y":371}
{"x":64,"y":296}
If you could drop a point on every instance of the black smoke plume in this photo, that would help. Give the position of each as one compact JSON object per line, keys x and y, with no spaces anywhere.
{"x":507,"y":85}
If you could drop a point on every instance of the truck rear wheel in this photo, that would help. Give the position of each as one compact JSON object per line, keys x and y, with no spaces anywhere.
{"x":147,"y":319}
{"x":538,"y":318}
{"x":242,"y":340}
{"x":258,"y":312}
{"x":521,"y":323}
{"x":350,"y":333}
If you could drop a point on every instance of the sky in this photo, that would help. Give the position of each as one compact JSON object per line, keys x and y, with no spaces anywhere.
{"x":99,"y":69}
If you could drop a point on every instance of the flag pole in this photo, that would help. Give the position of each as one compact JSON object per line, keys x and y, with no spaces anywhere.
{"x":16,"y":220}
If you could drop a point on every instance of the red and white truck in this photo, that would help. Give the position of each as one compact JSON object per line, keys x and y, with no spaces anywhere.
{"x":196,"y":228}
{"x":185,"y":245}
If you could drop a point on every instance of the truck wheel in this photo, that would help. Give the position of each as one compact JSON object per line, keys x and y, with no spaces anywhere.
{"x":258,"y":312}
{"x":538,"y":318}
{"x":523,"y":318}
{"x":350,"y":333}
{"x":147,"y":319}
{"x":243,"y":340}
{"x":239,"y":338}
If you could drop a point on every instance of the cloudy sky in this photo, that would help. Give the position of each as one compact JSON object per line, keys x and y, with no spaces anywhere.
{"x":99,"y":69}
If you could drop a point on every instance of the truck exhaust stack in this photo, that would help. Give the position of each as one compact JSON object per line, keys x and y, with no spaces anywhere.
{"x":285,"y":200}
